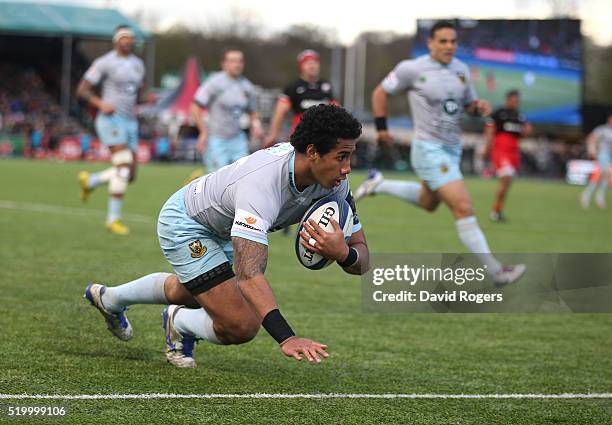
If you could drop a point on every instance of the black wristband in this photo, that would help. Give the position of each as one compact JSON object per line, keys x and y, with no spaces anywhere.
{"x":277,"y":326}
{"x":351,"y":259}
{"x":380,"y":123}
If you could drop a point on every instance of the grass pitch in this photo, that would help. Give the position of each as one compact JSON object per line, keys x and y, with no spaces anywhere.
{"x":54,"y":343}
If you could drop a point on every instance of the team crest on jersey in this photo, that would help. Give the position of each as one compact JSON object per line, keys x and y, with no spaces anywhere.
{"x":450,"y":106}
{"x":197,"y":249}
{"x":461,"y":76}
{"x":300,"y":90}
{"x":326,"y":87}
{"x":422,"y":79}
{"x":444,"y":168}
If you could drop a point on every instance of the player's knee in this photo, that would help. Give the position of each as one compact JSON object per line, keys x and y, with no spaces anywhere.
{"x":176,"y":293}
{"x":463,"y":208}
{"x":122,"y":160}
{"x":118,"y":182}
{"x":241,"y":332}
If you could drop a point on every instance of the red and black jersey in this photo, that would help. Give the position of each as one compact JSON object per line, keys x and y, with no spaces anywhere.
{"x":508,"y":128}
{"x":302,"y":95}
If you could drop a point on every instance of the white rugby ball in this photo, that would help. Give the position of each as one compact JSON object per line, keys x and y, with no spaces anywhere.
{"x":322,"y":212}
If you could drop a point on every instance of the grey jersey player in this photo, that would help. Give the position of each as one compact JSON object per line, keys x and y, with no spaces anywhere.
{"x":439,"y":90}
{"x":599,"y":147}
{"x":226,"y":201}
{"x":121,"y":74}
{"x":437,"y":93}
{"x":227,"y":96}
{"x":214,"y":234}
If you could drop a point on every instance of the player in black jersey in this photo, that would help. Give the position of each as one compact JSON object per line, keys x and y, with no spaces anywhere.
{"x":306,"y":91}
{"x":503,"y":132}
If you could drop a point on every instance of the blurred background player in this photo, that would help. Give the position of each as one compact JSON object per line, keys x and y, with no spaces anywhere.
{"x":218,"y":225}
{"x":306,"y":91}
{"x":502,"y":135}
{"x":599,"y":147}
{"x":121,"y":74}
{"x":226,"y":95}
{"x":299,"y":95}
{"x":439,"y":91}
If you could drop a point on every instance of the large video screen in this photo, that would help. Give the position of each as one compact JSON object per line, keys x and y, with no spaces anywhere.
{"x":540,"y":58}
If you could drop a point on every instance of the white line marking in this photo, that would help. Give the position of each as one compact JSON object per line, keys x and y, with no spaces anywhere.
{"x":156,"y":396}
{"x":58,"y":209}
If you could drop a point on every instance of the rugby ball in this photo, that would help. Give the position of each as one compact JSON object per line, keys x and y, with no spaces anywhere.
{"x":322,"y":212}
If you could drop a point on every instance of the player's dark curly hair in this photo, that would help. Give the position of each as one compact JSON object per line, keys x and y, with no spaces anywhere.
{"x":322,"y":126}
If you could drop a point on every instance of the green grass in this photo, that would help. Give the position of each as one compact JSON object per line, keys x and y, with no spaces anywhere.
{"x":54,"y":343}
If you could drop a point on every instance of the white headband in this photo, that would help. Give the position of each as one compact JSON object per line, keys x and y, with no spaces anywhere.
{"x":123,"y":32}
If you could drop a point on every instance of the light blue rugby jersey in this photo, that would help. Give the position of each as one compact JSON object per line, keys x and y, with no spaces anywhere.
{"x":437,"y":94}
{"x":226,"y":99}
{"x":604,"y":138}
{"x":121,"y":77}
{"x":256,"y":195}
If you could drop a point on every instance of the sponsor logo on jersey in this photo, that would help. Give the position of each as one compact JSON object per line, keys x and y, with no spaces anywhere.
{"x":250,"y":221}
{"x":450,"y":106}
{"x":243,"y":224}
{"x":197,"y":249}
{"x":512,"y":127}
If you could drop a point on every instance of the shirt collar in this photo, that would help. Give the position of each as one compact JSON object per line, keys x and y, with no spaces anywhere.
{"x":292,"y":184}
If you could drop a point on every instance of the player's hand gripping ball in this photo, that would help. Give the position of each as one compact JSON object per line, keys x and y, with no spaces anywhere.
{"x":322,"y":212}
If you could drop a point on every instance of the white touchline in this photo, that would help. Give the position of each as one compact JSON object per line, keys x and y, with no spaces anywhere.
{"x":58,"y":209}
{"x":155,"y":396}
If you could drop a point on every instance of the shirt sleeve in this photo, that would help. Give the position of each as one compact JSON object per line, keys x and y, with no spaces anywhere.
{"x":96,"y":72}
{"x":289,"y":94}
{"x":142,"y":73}
{"x":331,"y":92}
{"x":494,"y":120}
{"x":356,"y":223}
{"x":205,"y":93}
{"x":598,"y":131}
{"x":401,"y":78}
{"x":470,"y":94}
{"x":252,"y":97}
{"x":257,"y":207}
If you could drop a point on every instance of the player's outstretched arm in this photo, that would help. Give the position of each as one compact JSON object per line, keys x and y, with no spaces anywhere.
{"x":85,"y":91}
{"x":196,"y":114}
{"x":489,"y":134}
{"x":479,"y":108}
{"x":379,"y":111}
{"x":591,"y":145}
{"x":281,"y":109}
{"x":251,"y":259}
